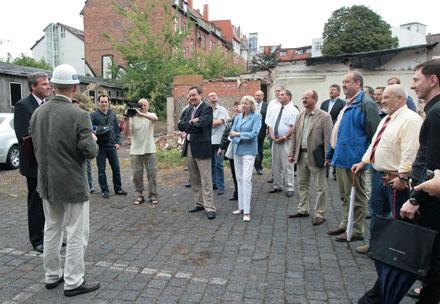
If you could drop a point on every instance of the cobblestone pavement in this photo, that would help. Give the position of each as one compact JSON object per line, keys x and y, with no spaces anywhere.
{"x":162,"y":254}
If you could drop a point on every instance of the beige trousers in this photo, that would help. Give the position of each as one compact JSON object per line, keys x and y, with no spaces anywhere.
{"x":138,"y":162}
{"x":345,"y":180}
{"x":201,"y":180}
{"x":304,"y":173}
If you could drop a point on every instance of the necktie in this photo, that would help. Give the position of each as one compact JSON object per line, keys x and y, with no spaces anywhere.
{"x":277,"y":123}
{"x":379,"y":136}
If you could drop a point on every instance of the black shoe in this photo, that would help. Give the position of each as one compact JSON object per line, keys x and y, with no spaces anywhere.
{"x":188,"y":185}
{"x":368,"y":216}
{"x":64,"y":244}
{"x":259,"y":172}
{"x":39,"y":248}
{"x":220,"y":192}
{"x":105,"y":195}
{"x":233,"y":198}
{"x":83,"y":288}
{"x":275,"y":190}
{"x":120,"y":192}
{"x":92,"y":191}
{"x":211,"y":215}
{"x":55,"y":284}
{"x":289,"y":193}
{"x":196,"y":209}
{"x":214,"y":187}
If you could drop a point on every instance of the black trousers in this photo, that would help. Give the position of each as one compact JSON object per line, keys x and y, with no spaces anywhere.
{"x":35,"y":213}
{"x":431,"y":282}
{"x":259,"y":159}
{"x":231,"y":162}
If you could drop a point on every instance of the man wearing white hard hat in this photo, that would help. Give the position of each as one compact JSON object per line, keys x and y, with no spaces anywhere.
{"x":63,"y":140}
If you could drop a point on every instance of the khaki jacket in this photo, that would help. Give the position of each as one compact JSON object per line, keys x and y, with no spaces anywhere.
{"x":319,"y":133}
{"x":62,"y":138}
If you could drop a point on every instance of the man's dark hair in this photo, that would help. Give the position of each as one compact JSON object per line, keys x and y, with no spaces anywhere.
{"x":430,"y":67}
{"x":380,"y":88}
{"x":357,"y":76}
{"x":33,"y":79}
{"x":370,"y":89}
{"x":336,"y":86}
{"x":199,"y":89}
{"x":103,"y":95}
{"x":288,"y":93}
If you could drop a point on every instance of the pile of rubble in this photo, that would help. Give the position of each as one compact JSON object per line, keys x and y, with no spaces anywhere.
{"x":173,"y":141}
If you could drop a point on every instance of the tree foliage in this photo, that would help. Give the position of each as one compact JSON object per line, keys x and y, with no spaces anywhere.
{"x":263,"y":62}
{"x":356,"y":29}
{"x":153,"y":57}
{"x":27,"y":61}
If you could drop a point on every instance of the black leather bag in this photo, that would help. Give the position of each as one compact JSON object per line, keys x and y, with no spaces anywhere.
{"x":319,"y":154}
{"x":403,"y":245}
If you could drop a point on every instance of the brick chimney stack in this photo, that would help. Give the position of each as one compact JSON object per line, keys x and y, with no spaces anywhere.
{"x":190,"y":4}
{"x":205,"y":12}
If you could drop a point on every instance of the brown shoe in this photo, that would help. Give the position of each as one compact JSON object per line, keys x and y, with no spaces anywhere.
{"x":343,"y":238}
{"x":318,"y":221}
{"x":336,"y":231}
{"x":298,"y":214}
{"x":363,"y":249}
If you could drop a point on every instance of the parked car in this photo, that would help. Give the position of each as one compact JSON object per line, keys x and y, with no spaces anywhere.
{"x":8,"y":142}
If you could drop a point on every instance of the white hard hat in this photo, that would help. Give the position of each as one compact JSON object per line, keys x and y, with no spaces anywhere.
{"x":64,"y":75}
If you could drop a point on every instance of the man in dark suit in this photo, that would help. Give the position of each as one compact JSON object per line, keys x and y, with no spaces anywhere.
{"x":333,"y":106}
{"x":262,"y":109}
{"x":40,"y":89}
{"x":197,"y":123}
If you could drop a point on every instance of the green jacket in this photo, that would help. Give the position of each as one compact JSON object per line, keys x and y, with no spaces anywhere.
{"x":62,"y":138}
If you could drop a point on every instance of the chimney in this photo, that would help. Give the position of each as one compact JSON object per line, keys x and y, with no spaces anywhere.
{"x":205,"y":12}
{"x":190,"y":4}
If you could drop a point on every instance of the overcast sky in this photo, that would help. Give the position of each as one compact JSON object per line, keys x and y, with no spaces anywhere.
{"x":286,"y":22}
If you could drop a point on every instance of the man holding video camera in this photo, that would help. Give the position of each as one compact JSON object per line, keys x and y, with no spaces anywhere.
{"x":109,"y":141}
{"x":140,"y":126}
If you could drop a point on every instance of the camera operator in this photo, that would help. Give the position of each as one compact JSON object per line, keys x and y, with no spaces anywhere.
{"x":140,"y":127}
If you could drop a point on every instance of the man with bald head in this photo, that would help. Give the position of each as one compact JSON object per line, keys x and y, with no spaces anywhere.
{"x":409,"y":102}
{"x":311,"y":135}
{"x":392,"y":151}
{"x":350,"y":138}
{"x":262,"y":109}
{"x":143,"y":151}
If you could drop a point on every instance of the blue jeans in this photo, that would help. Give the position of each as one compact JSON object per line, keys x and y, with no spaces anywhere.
{"x":381,"y":200}
{"x":111,"y":154}
{"x":89,"y":174}
{"x":218,"y":173}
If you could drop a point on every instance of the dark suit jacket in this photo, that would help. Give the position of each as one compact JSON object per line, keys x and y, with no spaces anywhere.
{"x":337,"y":107}
{"x":263,"y":129}
{"x":200,"y":137}
{"x":23,"y":111}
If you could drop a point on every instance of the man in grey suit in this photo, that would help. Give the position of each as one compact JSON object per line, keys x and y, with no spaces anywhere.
{"x":23,"y":110}
{"x":333,"y":106}
{"x":262,"y":109}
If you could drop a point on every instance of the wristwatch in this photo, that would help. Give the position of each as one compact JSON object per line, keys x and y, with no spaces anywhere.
{"x":413,"y":201}
{"x":403,"y":179}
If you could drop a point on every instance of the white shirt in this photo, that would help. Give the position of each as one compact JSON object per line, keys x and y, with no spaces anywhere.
{"x":272,"y":109}
{"x":38,"y":99}
{"x":218,"y":112}
{"x":288,"y":119}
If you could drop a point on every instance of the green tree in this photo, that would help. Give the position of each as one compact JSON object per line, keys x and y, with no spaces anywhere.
{"x":356,"y":29}
{"x":214,"y":65}
{"x":264,"y":62}
{"x":151,"y":58}
{"x":27,"y":61}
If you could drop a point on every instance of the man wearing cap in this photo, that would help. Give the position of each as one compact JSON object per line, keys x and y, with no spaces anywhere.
{"x":63,"y":140}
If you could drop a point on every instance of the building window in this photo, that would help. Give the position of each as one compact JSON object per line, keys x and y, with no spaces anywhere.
{"x":204,"y":42}
{"x":299,"y":52}
{"x":63,"y":32}
{"x":14,"y":92}
{"x":107,"y":61}
{"x":199,"y":38}
{"x":318,"y":46}
{"x":184,"y":27}
{"x":261,"y":50}
{"x":214,"y":45}
{"x":283,"y":53}
{"x":109,"y":93}
{"x":210,"y":45}
{"x":176,"y":24}
{"x":308,"y":51}
{"x":273,"y":49}
{"x":184,"y":52}
{"x":192,"y":46}
{"x":92,"y":96}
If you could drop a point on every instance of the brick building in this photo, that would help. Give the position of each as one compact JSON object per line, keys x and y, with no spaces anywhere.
{"x":287,"y":55}
{"x":100,"y":16}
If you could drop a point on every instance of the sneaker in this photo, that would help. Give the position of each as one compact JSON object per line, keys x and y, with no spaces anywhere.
{"x":238,"y":211}
{"x":246,"y":218}
{"x":105,"y":195}
{"x":120,"y":192}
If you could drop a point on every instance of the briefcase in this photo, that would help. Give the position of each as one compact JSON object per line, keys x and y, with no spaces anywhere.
{"x":401,"y":244}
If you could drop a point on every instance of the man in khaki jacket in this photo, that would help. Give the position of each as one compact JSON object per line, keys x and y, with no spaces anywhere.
{"x":311,"y":137}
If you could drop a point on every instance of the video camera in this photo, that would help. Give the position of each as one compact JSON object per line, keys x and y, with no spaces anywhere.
{"x":131,"y":112}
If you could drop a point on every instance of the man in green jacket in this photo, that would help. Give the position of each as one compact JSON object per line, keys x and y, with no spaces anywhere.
{"x":63,"y":140}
